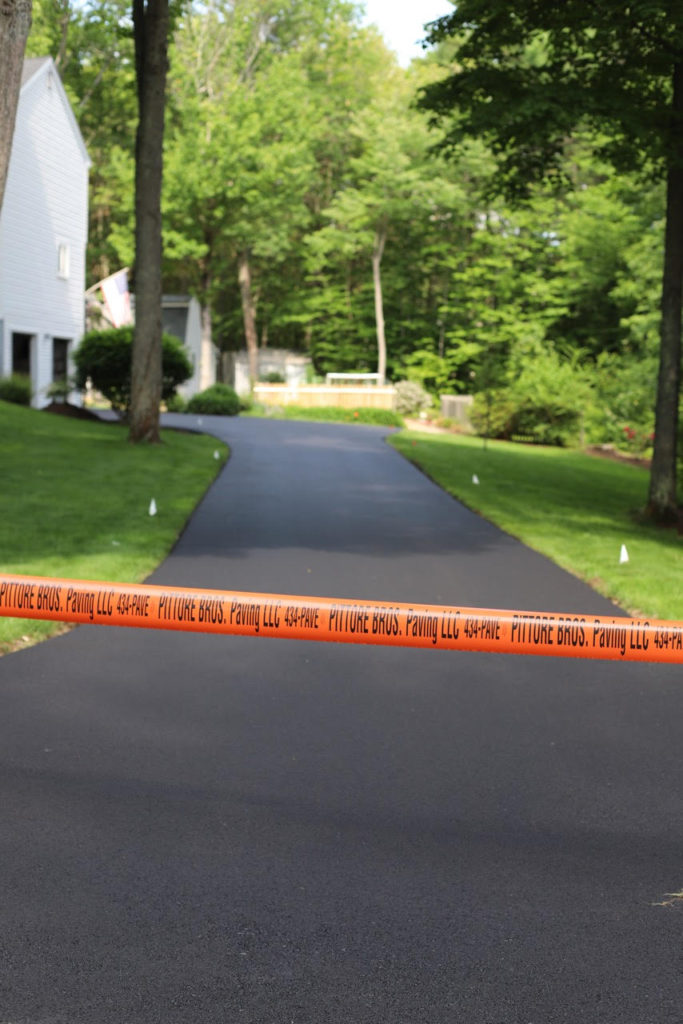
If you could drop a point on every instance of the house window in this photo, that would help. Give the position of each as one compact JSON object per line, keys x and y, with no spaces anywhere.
{"x":63,"y":260}
{"x":21,"y":353}
{"x":60,"y":357}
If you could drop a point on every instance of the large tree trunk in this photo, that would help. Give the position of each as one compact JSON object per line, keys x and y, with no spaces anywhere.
{"x":377,"y":252}
{"x":207,"y":362}
{"x":15,"y":22}
{"x":151,"y":28}
{"x":248,"y":314}
{"x":663,"y":506}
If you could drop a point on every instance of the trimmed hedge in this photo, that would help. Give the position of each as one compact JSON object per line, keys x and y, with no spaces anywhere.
{"x":217,"y":400}
{"x":105,"y":357}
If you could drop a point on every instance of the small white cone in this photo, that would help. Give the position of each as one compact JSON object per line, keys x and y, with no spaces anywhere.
{"x":475,"y":478}
{"x":623,"y":555}
{"x":216,"y":455}
{"x":152,"y":507}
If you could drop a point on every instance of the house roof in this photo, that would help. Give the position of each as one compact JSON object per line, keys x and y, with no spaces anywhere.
{"x":31,"y":66}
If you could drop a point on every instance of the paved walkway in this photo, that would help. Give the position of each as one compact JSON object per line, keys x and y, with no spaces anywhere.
{"x":201,"y":829}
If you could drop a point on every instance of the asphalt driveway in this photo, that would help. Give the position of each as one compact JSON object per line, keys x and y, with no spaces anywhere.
{"x":201,"y":829}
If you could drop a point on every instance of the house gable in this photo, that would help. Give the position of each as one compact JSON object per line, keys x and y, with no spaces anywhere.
{"x":43,"y":228}
{"x":36,"y":68}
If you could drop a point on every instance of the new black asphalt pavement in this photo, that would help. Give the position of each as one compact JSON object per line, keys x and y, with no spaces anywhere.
{"x":215,"y":830}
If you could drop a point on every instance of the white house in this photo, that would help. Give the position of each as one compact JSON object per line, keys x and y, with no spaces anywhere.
{"x":43,"y":234}
{"x":292,"y":367}
{"x":181,"y":316}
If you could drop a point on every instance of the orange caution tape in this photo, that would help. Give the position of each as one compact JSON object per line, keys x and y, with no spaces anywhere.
{"x":364,"y":622}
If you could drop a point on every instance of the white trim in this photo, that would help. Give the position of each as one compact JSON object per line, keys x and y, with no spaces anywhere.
{"x":63,"y":259}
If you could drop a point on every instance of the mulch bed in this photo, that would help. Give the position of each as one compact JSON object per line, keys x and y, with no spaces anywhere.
{"x":607,"y":452}
{"x":77,"y":412}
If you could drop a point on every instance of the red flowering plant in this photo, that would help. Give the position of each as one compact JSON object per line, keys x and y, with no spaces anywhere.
{"x":636,"y":440}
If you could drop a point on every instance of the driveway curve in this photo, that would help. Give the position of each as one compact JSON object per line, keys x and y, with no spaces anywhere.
{"x":207,"y":830}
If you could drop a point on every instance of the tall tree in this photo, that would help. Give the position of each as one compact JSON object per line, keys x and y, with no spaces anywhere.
{"x":526,"y":74}
{"x":245,"y":151}
{"x":151,"y":25}
{"x":15,"y":22}
{"x":393,"y":181}
{"x":92,"y":46}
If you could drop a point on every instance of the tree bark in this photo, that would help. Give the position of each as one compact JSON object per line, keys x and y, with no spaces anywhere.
{"x":248,"y":314}
{"x":207,"y":374}
{"x":663,"y":504}
{"x":377,"y":253}
{"x":64,"y":22}
{"x":151,"y":29}
{"x":15,"y":22}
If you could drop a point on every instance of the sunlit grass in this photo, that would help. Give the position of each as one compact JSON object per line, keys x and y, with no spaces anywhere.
{"x":575,"y":508}
{"x":75,"y":497}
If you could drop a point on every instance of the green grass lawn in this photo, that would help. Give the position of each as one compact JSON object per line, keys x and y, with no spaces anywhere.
{"x":575,"y":508}
{"x":75,"y":496}
{"x":326,"y":414}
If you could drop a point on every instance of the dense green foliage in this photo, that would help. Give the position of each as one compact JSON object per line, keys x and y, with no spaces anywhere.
{"x":217,"y":400}
{"x":16,"y":389}
{"x":104,"y":357}
{"x":527,"y":77}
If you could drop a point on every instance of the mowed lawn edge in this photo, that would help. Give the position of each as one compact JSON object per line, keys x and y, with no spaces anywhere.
{"x":577,"y":509}
{"x":75,"y":501}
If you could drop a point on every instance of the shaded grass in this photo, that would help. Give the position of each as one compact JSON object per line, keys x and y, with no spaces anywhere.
{"x":575,"y":508}
{"x":75,"y":496}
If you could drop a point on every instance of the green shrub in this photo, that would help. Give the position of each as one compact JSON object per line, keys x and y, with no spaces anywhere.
{"x":411,"y":398}
{"x":492,"y":414}
{"x":622,"y":412}
{"x":247,"y":404}
{"x":176,"y":403}
{"x":16,"y":389}
{"x":105,"y":358}
{"x":544,"y":402}
{"x":218,"y":400}
{"x":60,"y":389}
{"x":273,"y":378}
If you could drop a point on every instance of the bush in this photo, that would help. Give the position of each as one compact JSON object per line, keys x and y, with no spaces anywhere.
{"x":273,"y":378}
{"x":16,"y":389}
{"x":622,"y":413}
{"x":493,"y":414}
{"x":544,"y":403}
{"x":176,"y":403}
{"x":105,"y":358}
{"x":218,"y":400}
{"x":59,"y":390}
{"x":411,"y":398}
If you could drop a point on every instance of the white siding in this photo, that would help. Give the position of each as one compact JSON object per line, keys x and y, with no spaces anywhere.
{"x":45,"y":206}
{"x":202,"y":352}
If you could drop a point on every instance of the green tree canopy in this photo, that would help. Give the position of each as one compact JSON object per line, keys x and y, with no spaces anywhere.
{"x":526,"y":75}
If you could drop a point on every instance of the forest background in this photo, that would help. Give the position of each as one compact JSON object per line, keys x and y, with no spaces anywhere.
{"x":300,"y":177}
